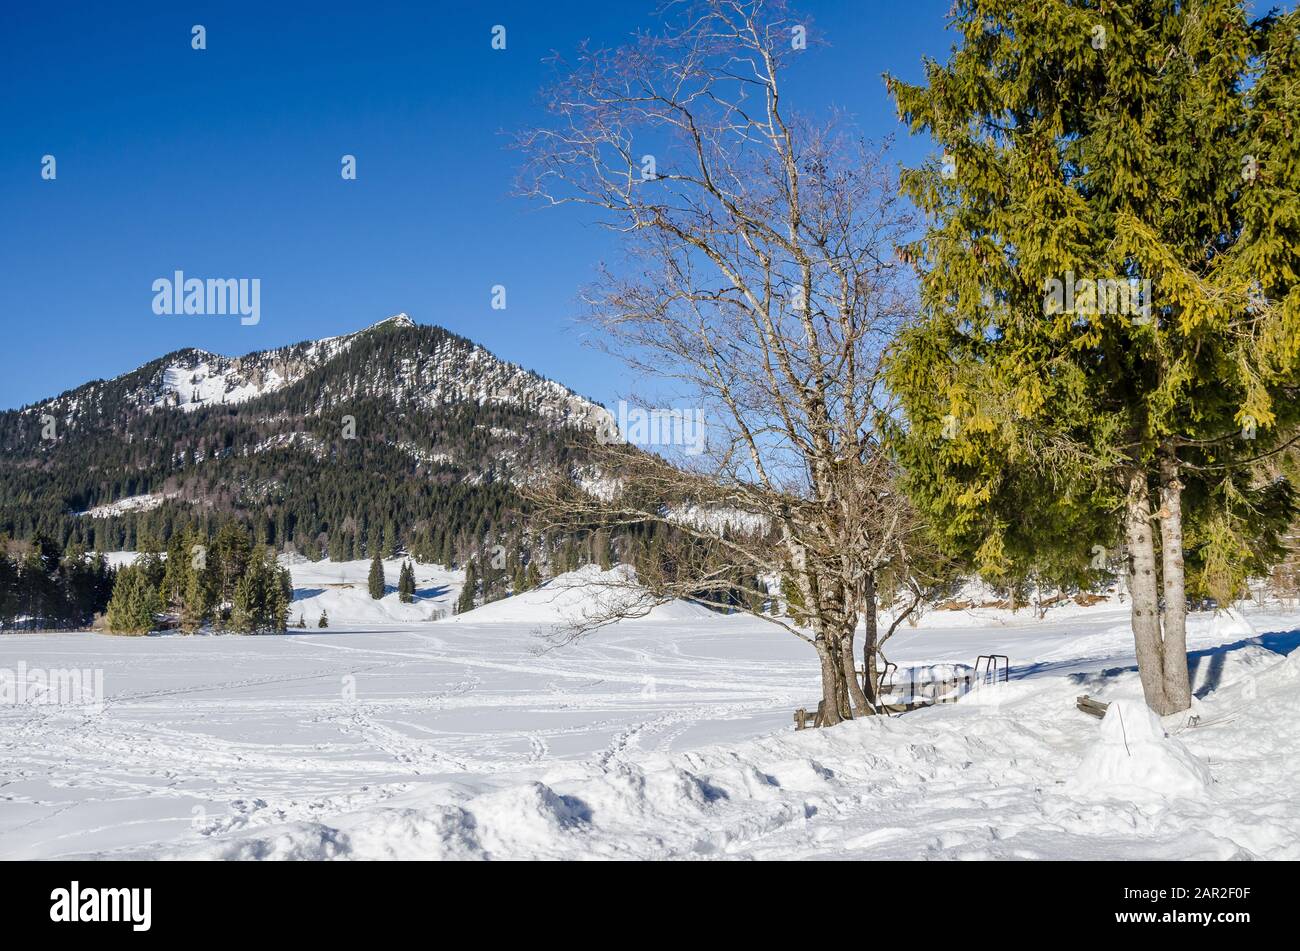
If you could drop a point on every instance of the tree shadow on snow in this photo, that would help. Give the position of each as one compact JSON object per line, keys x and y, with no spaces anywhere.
{"x":1205,"y":666}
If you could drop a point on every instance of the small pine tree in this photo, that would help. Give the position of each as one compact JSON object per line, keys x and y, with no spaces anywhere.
{"x":466,"y":600}
{"x":302,"y":620}
{"x":377,"y":582}
{"x":282,"y":597}
{"x":324,"y":620}
{"x":406,"y":584}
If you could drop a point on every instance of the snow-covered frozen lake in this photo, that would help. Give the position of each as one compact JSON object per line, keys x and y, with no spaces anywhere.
{"x":661,"y":738}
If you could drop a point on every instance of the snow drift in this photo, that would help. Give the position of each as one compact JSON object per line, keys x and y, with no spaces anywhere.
{"x":1134,"y":760}
{"x":584,"y":595}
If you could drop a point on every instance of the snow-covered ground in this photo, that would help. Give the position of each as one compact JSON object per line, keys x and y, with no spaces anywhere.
{"x":340,"y":589}
{"x":134,"y":503}
{"x":669,"y":736}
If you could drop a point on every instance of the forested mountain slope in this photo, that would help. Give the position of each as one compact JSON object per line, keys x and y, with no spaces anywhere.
{"x":400,"y":432}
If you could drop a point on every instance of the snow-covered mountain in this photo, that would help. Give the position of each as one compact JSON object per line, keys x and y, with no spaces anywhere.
{"x":397,"y":424}
{"x":453,"y":369}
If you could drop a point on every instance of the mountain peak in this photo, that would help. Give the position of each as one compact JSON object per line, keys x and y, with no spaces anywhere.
{"x":397,"y":320}
{"x":441,"y":407}
{"x":436,"y":370}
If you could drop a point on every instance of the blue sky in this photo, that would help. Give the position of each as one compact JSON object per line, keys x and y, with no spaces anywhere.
{"x":225,"y":163}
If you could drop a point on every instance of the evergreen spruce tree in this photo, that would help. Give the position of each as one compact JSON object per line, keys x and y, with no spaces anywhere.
{"x":1111,"y":309}
{"x":135,"y":602}
{"x":229,"y":556}
{"x":338,"y":547}
{"x":376,"y":581}
{"x":202,"y":584}
{"x":466,"y":600}
{"x":8,"y":586}
{"x":406,"y":583}
{"x":324,"y":620}
{"x":262,"y":596}
{"x":86,"y":587}
{"x":149,"y":558}
{"x":281,"y":597}
{"x":38,"y":593}
{"x":51,"y":591}
{"x":492,"y":576}
{"x":247,"y":599}
{"x":176,"y":574}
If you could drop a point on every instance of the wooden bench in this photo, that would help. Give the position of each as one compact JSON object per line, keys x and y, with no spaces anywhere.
{"x":988,"y":669}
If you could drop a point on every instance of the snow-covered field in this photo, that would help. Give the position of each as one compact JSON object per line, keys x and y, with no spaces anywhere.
{"x":339,"y":589}
{"x":391,"y":736}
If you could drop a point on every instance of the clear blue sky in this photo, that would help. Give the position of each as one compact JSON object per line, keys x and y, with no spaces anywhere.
{"x":225,"y":163}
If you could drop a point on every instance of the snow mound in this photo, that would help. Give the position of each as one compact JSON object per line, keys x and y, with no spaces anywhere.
{"x":1221,"y":627}
{"x":1214,"y":670}
{"x":526,"y":819}
{"x":1134,"y":760}
{"x":1289,"y":669}
{"x":587,"y":594}
{"x":340,"y":589}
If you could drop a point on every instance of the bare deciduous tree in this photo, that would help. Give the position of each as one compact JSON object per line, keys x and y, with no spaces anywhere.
{"x":761,"y":280}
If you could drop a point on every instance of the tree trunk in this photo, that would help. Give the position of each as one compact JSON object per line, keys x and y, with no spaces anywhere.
{"x":832,"y":675}
{"x":871,"y":676}
{"x":860,"y":706}
{"x":1143,"y":591}
{"x":1177,"y":683}
{"x":842,"y":699}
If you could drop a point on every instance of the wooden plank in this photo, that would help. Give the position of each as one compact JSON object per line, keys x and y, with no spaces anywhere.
{"x":1092,"y":707}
